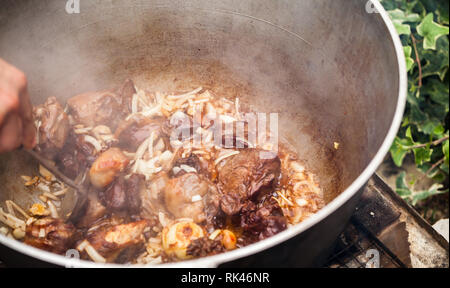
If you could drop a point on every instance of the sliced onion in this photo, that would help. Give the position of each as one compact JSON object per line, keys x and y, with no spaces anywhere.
{"x":215,"y":234}
{"x":94,"y":142}
{"x":196,"y":198}
{"x":301,"y":202}
{"x":134,"y":103}
{"x":224,"y":156}
{"x":227,"y":119}
{"x":175,"y":97}
{"x":187,"y":168}
{"x":52,"y":208}
{"x":162,"y":219}
{"x":94,"y":255}
{"x":11,"y":221}
{"x":41,"y":233}
{"x":141,"y":149}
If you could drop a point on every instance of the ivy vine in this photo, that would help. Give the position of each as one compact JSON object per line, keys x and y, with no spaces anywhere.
{"x":423,"y":29}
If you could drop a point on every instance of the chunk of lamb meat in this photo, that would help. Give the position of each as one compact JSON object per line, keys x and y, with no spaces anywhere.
{"x":76,"y":156}
{"x":50,"y":234}
{"x":204,"y":246}
{"x":135,"y":185}
{"x":118,"y":243}
{"x":124,"y":194}
{"x":193,"y":161}
{"x":132,"y":132}
{"x":180,"y":127}
{"x":53,"y":129}
{"x":189,"y":196}
{"x":246,"y":176}
{"x":107,"y":167}
{"x":94,"y":210}
{"x":107,"y":107}
{"x":153,"y":198}
{"x":262,"y":220}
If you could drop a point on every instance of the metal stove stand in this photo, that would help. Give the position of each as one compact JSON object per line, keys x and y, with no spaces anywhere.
{"x":385,"y":232}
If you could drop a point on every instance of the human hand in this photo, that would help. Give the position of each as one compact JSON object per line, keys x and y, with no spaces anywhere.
{"x":16,"y":113}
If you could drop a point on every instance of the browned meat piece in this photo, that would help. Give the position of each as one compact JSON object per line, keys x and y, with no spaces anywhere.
{"x":114,"y":196}
{"x":179,"y":127}
{"x":246,"y":176}
{"x":54,"y":127}
{"x":118,"y":243}
{"x":153,"y":198}
{"x":135,"y":186}
{"x":95,"y":108}
{"x":102,"y":107}
{"x":192,"y":161}
{"x":132,"y":132}
{"x":204,"y":246}
{"x":76,"y":156}
{"x":188,"y":195}
{"x":214,"y":216}
{"x":94,"y":211}
{"x":124,"y":194}
{"x":107,"y":167}
{"x":71,"y":164}
{"x":263,"y":220}
{"x":238,"y":138}
{"x":50,"y":234}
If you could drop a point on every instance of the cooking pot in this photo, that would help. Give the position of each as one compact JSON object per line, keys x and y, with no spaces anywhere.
{"x":334,"y":71}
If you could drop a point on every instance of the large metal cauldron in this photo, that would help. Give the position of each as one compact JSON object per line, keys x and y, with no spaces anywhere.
{"x":333,"y":70}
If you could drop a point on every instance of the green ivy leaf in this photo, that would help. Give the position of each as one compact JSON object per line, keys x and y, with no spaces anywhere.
{"x":434,"y":110}
{"x":402,"y":17}
{"x":399,"y":18}
{"x":431,"y":31}
{"x":430,"y":126}
{"x":416,"y":115}
{"x":440,"y":7}
{"x":400,"y":148}
{"x":409,"y":60}
{"x":443,"y":12}
{"x":438,"y":92}
{"x":446,"y":153}
{"x":422,"y":155}
{"x":434,"y":190}
{"x":402,"y":188}
{"x":402,"y":29}
{"x":408,"y":194}
{"x":439,"y":130}
{"x":398,"y":153}
{"x":427,"y":104}
{"x":436,"y":62}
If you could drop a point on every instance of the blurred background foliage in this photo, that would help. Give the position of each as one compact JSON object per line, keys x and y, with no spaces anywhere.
{"x":424,"y":135}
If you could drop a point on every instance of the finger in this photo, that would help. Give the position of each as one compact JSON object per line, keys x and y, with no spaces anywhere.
{"x":29,"y":136}
{"x":12,"y":82}
{"x":11,"y":133}
{"x":26,"y":113}
{"x":8,"y":102}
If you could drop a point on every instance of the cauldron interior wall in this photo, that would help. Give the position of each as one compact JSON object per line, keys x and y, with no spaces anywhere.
{"x":311,"y":61}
